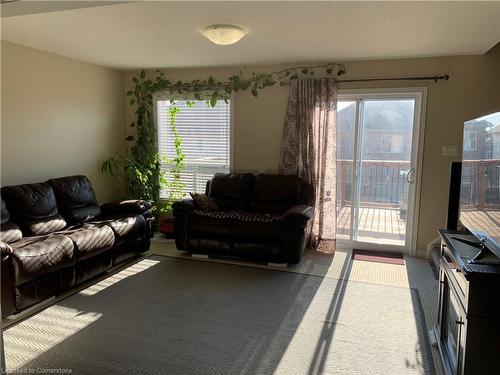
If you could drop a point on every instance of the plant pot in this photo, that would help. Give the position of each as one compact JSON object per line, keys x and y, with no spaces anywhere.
{"x":167,"y":226}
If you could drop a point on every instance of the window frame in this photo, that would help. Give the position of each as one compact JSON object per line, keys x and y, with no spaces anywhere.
{"x":162,"y":95}
{"x":390,"y":136}
{"x":467,"y":133}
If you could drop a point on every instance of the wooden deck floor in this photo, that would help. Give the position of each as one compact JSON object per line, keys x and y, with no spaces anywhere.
{"x":379,"y":225}
{"x":488,"y":220}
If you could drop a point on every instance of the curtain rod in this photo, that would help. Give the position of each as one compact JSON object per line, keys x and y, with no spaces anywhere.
{"x":436,"y":78}
{"x":444,"y":77}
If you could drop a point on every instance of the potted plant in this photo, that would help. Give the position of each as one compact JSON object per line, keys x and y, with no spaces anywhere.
{"x":139,"y":170}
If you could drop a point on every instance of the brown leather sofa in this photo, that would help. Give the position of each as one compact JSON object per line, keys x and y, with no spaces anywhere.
{"x":54,"y":235}
{"x":264,"y":217}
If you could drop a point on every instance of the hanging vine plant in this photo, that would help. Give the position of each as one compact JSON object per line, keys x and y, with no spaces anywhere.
{"x":139,"y":170}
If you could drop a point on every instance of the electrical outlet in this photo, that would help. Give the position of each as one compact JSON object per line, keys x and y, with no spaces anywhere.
{"x":450,"y":150}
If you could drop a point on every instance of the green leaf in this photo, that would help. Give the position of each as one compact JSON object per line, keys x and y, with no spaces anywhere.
{"x":143,"y":74}
{"x":132,"y":125}
{"x":305,"y":70}
{"x":130,"y":138}
{"x":129,"y":92}
{"x":135,"y":80}
{"x":254,"y":92}
{"x":213,"y":100}
{"x":340,"y":72}
{"x":329,"y":71}
{"x":132,"y":101}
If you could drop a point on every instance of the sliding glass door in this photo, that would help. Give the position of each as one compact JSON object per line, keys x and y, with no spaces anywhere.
{"x":377,"y":165}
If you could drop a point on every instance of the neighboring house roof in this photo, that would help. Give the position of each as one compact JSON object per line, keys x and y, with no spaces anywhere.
{"x":381,"y":116}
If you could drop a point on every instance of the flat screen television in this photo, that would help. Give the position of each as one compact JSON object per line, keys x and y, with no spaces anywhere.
{"x":480,"y":180}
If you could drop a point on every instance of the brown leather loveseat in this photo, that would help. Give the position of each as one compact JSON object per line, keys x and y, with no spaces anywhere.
{"x":262,"y":217}
{"x":54,"y":235}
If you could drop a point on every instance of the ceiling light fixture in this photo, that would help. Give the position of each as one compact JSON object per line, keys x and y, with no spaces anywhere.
{"x":224,"y":34}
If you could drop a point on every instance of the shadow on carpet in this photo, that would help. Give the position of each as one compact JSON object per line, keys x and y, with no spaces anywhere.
{"x":167,"y":315}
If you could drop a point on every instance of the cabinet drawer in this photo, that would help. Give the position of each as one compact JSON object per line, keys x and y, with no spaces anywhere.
{"x":454,"y":274}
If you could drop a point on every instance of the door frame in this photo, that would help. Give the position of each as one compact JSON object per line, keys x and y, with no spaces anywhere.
{"x":417,"y":150}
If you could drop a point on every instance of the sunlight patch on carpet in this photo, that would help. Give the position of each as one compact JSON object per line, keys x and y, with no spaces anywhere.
{"x":130,"y":271}
{"x":27,"y":340}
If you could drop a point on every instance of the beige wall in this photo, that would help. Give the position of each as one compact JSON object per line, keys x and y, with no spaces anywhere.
{"x":59,"y":117}
{"x":473,"y":90}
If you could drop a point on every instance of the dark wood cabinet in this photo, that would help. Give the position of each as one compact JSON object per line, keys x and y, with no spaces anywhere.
{"x":468,"y":326}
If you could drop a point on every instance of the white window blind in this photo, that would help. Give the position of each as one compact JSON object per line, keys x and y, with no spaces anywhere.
{"x":205,"y":134}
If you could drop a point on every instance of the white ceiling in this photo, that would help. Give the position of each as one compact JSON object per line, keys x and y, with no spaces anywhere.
{"x":12,"y":8}
{"x":167,"y":34}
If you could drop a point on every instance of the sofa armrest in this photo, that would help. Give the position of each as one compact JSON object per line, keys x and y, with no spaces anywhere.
{"x":187,"y":205}
{"x":300,"y":212}
{"x":7,"y":280}
{"x":133,"y":206}
{"x":182,"y":211}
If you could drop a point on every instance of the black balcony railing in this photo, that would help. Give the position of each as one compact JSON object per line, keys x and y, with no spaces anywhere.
{"x":382,"y":182}
{"x":480,"y":183}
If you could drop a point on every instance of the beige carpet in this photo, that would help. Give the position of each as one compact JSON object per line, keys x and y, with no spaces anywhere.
{"x":416,"y":274}
{"x":177,"y":316}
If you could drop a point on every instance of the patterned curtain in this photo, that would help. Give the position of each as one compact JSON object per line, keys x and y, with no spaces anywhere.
{"x":308,"y":150}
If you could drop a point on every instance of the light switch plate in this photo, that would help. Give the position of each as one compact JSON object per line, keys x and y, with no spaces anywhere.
{"x":450,"y":150}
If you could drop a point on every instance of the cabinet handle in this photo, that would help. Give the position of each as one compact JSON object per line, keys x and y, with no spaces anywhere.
{"x":459,"y":322}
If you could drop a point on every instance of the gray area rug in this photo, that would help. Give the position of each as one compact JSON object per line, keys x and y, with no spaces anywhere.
{"x":175,"y":316}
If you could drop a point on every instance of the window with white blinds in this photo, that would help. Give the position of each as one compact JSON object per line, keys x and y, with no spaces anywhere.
{"x":206,"y":139}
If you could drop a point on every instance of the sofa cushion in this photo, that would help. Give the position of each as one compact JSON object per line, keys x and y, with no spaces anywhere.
{"x":5,"y":216}
{"x":240,"y":216}
{"x":45,"y":226}
{"x":204,"y":202}
{"x":237,"y":225}
{"x":202,"y":226}
{"x":91,"y":239}
{"x":275,"y":193}
{"x":76,"y":199}
{"x":34,"y":208}
{"x":231,"y":191}
{"x":10,"y":232}
{"x":34,"y":257}
{"x":132,"y":226}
